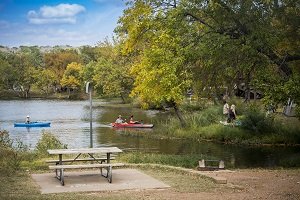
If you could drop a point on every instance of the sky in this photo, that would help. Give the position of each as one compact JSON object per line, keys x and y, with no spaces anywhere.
{"x":58,"y":22}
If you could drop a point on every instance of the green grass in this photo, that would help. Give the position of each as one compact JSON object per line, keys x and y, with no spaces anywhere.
{"x":180,"y":181}
{"x":187,"y":161}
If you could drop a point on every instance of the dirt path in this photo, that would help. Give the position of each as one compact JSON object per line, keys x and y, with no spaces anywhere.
{"x":264,"y":184}
{"x":241,"y":184}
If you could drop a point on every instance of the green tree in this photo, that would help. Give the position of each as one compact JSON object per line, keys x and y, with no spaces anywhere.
{"x":111,"y":73}
{"x":7,"y":73}
{"x":161,"y":68}
{"x":88,"y":71}
{"x":252,"y":37}
{"x":57,"y":61}
{"x":88,"y":54}
{"x":221,"y":43}
{"x":23,"y":73}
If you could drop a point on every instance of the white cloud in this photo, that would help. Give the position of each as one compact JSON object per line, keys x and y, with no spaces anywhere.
{"x":62,"y":13}
{"x":61,"y":10}
{"x":67,"y":20}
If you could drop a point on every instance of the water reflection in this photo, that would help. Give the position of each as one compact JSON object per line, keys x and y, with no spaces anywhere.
{"x":70,"y":123}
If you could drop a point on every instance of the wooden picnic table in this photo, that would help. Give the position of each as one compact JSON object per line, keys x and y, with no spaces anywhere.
{"x":93,"y":155}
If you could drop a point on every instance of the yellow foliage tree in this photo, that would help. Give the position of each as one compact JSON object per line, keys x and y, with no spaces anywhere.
{"x":71,"y":77}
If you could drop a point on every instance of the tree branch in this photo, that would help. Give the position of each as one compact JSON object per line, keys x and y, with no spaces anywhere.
{"x":197,"y":19}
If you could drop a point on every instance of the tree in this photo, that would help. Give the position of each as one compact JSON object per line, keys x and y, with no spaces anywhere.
{"x":57,"y":61}
{"x":88,"y":54}
{"x":88,"y":71}
{"x":161,"y":69}
{"x":20,"y":74}
{"x":222,"y":43}
{"x":72,"y":76}
{"x":45,"y":80}
{"x":257,"y":34}
{"x":111,"y":73}
{"x":7,"y":73}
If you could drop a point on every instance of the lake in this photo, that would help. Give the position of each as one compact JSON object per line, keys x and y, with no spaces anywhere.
{"x":70,"y":123}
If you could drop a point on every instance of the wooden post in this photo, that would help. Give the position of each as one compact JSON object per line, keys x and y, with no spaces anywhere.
{"x":221,"y":164}
{"x":202,"y":163}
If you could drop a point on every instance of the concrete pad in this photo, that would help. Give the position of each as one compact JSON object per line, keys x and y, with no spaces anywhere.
{"x":90,"y":181}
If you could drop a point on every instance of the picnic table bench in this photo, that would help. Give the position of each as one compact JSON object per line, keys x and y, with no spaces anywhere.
{"x":101,"y":160}
{"x":93,"y":161}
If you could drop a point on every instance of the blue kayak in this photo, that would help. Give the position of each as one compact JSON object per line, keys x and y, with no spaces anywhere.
{"x":33,"y":124}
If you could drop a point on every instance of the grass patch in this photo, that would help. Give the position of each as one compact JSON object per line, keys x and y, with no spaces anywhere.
{"x":180,"y":181}
{"x":187,"y":161}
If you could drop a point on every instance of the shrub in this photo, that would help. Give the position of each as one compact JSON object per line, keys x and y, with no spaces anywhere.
{"x":257,"y":122}
{"x":195,"y":106}
{"x":11,"y":153}
{"x":205,"y":117}
{"x":48,"y":141}
{"x":5,"y":141}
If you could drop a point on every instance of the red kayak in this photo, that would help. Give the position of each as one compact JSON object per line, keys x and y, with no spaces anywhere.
{"x":129,"y":125}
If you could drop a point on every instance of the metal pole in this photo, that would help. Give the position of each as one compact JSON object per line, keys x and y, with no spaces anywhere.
{"x":91,"y":117}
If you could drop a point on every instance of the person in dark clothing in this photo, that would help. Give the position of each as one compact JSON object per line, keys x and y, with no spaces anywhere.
{"x":231,"y":114}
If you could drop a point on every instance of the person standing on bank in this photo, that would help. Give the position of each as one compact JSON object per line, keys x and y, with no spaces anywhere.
{"x":226,"y":110}
{"x":232,"y":113}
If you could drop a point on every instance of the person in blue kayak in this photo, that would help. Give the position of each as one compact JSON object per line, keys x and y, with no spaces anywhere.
{"x":119,"y":120}
{"x":27,"y":119}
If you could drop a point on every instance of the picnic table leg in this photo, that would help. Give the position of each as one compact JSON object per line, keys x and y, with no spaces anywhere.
{"x":109,"y":174}
{"x":62,"y":181}
{"x":108,"y":171}
{"x":107,"y":168}
{"x":60,"y":177}
{"x":108,"y":157}
{"x":60,"y":163}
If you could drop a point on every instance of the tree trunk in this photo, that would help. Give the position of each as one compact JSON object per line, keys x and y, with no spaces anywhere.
{"x":178,"y":114}
{"x":218,"y":93}
{"x":123,"y":99}
{"x":69,"y":93}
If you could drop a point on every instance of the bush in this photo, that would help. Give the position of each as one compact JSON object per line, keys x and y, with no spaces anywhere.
{"x":5,"y":141}
{"x":48,"y":141}
{"x":12,"y":153}
{"x":195,"y":106}
{"x":257,"y":122}
{"x":205,"y":117}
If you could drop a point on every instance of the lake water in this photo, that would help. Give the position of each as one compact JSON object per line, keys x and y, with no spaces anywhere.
{"x":71,"y":124}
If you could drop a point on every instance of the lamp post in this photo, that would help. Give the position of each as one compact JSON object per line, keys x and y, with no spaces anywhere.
{"x":88,"y":90}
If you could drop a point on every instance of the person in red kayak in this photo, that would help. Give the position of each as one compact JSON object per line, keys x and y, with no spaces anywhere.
{"x":131,"y":121}
{"x":119,"y":120}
